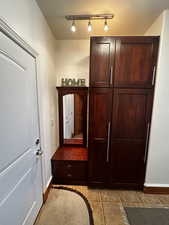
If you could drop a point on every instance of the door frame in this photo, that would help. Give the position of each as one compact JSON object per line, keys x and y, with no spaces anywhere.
{"x":9,"y":32}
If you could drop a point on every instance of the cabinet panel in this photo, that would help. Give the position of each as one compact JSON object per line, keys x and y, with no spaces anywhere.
{"x":135,"y":62}
{"x":101,"y":61}
{"x":130,"y":130}
{"x":99,"y":131}
{"x":76,"y":170}
{"x":99,"y":171}
{"x":131,"y":111}
{"x":128,"y":161}
{"x":100,"y":113}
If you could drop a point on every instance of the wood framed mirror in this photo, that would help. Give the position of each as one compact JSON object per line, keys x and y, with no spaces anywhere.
{"x":73,"y":115}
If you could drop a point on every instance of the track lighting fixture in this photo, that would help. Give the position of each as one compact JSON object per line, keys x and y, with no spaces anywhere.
{"x":89,"y":18}
{"x":73,"y":27}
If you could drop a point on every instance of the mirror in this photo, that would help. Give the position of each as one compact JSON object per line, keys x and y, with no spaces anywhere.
{"x":73,"y":116}
{"x":73,"y":119}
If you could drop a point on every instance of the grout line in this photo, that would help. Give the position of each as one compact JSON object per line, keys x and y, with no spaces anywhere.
{"x":104,"y":217}
{"x":100,"y":196}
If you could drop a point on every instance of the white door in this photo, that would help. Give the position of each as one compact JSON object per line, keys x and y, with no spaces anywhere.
{"x":20,"y":167}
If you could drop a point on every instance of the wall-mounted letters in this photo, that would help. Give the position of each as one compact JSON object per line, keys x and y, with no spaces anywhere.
{"x":73,"y":82}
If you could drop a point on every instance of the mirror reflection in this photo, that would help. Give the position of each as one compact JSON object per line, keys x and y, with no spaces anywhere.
{"x":73,"y":119}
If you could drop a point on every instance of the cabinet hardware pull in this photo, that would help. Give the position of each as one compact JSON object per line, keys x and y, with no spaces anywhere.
{"x":69,"y":166}
{"x":111,"y":75}
{"x":108,"y":143}
{"x":147,"y":139}
{"x":154,"y":73}
{"x":69,"y":175}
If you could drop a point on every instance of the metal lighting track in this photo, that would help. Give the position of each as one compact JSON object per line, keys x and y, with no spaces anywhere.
{"x":90,"y":17}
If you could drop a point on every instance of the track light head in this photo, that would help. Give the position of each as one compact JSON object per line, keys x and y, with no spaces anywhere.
{"x":73,"y":27}
{"x":89,"y":26}
{"x":106,"y":28}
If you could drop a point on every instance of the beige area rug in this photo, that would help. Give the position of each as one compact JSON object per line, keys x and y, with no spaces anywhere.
{"x":65,"y":206}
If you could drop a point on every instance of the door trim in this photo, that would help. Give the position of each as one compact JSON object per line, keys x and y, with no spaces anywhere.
{"x":9,"y":31}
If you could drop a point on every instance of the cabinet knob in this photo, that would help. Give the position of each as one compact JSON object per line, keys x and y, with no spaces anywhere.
{"x":69,"y":166}
{"x":69,"y":175}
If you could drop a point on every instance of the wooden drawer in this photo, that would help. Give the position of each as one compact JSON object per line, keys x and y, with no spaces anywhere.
{"x":69,"y":170}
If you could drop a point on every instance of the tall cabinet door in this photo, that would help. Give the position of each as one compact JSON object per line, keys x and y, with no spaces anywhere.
{"x":130,"y":131}
{"x":99,"y":134}
{"x":101,"y":61}
{"x":135,"y":63}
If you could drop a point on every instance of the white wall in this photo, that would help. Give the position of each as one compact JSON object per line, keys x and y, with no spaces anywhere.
{"x":25,"y":17}
{"x":156,"y":27}
{"x":72,"y":59}
{"x":158,"y":158}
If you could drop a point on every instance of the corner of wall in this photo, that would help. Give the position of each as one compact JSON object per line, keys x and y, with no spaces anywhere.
{"x":157,"y":163}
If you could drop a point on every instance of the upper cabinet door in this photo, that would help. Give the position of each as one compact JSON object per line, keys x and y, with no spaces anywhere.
{"x":135,"y":63}
{"x":101,"y":61}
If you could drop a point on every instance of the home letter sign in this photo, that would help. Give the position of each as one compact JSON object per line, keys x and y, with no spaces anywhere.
{"x":73,"y":82}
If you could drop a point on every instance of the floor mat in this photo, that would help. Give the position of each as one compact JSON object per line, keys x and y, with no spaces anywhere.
{"x":147,"y":216}
{"x":65,"y":206}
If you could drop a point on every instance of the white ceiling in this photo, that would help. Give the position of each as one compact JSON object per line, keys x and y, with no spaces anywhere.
{"x":132,"y":17}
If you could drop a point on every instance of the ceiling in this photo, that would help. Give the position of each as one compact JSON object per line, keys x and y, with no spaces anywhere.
{"x":132,"y":17}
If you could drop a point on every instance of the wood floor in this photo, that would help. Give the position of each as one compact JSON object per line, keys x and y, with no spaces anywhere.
{"x":108,"y":205}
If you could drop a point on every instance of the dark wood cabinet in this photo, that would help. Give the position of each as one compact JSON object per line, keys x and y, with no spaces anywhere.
{"x":69,"y":172}
{"x":123,"y":61}
{"x":69,"y":166}
{"x":131,"y":113}
{"x":101,"y":61}
{"x":118,"y":135}
{"x":127,"y":165}
{"x":100,"y":114}
{"x":120,"y":113}
{"x":130,"y":128}
{"x":99,"y":132}
{"x":135,"y":63}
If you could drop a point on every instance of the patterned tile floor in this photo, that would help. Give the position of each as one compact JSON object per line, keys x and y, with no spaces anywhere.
{"x":108,"y":205}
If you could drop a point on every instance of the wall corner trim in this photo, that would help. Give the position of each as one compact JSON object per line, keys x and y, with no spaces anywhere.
{"x":5,"y":28}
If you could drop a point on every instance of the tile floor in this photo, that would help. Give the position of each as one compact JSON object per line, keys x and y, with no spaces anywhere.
{"x":108,"y":205}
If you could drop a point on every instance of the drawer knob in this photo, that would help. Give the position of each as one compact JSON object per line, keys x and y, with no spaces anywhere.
{"x":69,"y":166}
{"x":69,"y":175}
